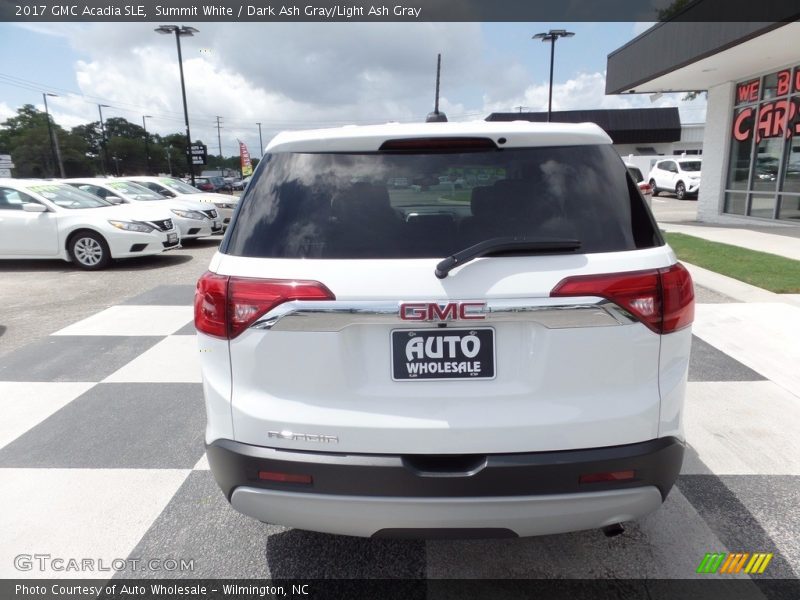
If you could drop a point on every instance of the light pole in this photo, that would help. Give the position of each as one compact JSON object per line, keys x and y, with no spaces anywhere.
{"x":260,"y":143}
{"x":146,"y":149}
{"x":179,"y":31}
{"x":103,"y":142}
{"x":53,"y":139}
{"x":551,"y":36}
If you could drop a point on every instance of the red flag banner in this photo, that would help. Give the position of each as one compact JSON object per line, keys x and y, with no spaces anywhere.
{"x":247,"y":166}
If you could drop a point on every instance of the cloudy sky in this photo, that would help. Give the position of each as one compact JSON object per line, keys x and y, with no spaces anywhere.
{"x":302,"y":75}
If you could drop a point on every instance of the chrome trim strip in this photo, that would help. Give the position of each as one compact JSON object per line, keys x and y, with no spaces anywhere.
{"x":335,"y":315}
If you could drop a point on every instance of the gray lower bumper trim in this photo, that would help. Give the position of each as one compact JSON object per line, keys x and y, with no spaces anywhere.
{"x":524,"y":515}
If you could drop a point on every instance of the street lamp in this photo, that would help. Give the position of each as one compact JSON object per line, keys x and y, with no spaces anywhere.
{"x":551,"y":36}
{"x":179,"y":31}
{"x":104,"y":141}
{"x":146,"y":150}
{"x":53,"y":139}
{"x":260,"y":142}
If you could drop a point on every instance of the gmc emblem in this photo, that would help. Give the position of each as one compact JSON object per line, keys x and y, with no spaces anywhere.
{"x":447,"y":311}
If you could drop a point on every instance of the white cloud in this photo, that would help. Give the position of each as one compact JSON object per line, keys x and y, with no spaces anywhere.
{"x":301,"y":75}
{"x":587,"y":91}
{"x":6,"y":112}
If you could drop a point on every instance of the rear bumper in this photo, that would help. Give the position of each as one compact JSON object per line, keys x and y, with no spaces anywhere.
{"x":490,"y":516}
{"x":528,"y":494}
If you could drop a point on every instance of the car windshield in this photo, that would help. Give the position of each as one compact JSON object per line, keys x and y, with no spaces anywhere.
{"x":415,"y":205}
{"x":134,"y":190}
{"x":690,"y":165}
{"x":67,"y":196}
{"x":636,"y":174}
{"x":179,"y":186}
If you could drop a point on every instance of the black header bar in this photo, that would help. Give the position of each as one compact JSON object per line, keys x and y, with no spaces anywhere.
{"x":193,"y":11}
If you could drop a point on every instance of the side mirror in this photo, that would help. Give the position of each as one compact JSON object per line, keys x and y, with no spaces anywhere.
{"x":34,"y":207}
{"x":114,"y":199}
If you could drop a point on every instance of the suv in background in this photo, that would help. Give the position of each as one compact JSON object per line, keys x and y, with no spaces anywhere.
{"x":678,"y":175}
{"x":387,"y":353}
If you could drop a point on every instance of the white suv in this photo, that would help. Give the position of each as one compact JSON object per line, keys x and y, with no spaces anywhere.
{"x":496,"y":343}
{"x":680,"y":175}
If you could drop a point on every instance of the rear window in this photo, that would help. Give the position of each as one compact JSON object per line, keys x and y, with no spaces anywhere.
{"x":636,"y":174}
{"x":431,"y":205}
{"x":690,"y":165}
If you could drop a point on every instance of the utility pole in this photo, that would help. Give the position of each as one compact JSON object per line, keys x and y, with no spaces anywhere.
{"x":104,"y":141}
{"x":219,"y":141}
{"x":53,"y":137}
{"x":551,"y":36}
{"x":260,"y":143}
{"x":146,"y":149}
{"x":179,"y":31}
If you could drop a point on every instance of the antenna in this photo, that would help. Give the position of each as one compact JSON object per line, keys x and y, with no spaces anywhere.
{"x":436,"y":116}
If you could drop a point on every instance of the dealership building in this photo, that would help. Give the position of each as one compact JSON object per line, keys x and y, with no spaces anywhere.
{"x":751,"y":140}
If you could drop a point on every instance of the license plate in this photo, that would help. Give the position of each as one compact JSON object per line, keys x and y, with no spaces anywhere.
{"x":430,"y":354}
{"x":172,"y":238}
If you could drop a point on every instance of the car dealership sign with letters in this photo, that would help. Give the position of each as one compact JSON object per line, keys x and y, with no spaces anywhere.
{"x":772,"y":119}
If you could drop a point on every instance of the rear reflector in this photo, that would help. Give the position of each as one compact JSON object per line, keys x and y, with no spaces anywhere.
{"x":662,"y":299}
{"x":284,"y":477}
{"x":437,"y":144}
{"x":609,"y":477}
{"x":225,"y":306}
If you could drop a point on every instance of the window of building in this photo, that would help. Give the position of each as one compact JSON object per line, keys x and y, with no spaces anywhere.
{"x":764,"y":161}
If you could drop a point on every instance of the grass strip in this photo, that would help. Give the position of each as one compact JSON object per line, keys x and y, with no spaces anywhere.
{"x":767,"y":271}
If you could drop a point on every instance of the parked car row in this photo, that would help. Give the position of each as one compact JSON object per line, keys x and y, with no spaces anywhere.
{"x":92,"y":221}
{"x":170,"y":187}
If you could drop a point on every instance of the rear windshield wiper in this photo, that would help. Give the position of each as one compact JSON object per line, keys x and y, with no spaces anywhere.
{"x":502,"y":244}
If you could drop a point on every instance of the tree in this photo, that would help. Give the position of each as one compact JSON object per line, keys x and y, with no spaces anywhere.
{"x":27,"y":139}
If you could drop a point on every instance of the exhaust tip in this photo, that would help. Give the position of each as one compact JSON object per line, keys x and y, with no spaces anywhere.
{"x":613,"y":530}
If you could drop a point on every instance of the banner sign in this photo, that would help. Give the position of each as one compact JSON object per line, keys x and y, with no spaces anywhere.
{"x":776,"y":118}
{"x":244,"y":155}
{"x":199,"y":154}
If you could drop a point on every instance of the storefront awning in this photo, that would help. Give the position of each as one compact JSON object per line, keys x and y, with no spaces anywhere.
{"x":688,"y":56}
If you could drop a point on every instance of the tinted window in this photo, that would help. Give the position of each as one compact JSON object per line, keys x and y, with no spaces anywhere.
{"x":11,"y":199}
{"x":67,"y":196}
{"x":636,"y":174}
{"x":133,"y":190}
{"x":690,"y":165}
{"x":386,"y":205}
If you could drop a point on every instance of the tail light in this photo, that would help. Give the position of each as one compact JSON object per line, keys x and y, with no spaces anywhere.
{"x":225,"y":306}
{"x":662,"y":299}
{"x":646,"y":188}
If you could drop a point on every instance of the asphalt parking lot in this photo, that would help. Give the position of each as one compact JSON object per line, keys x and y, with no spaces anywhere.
{"x":103,"y":405}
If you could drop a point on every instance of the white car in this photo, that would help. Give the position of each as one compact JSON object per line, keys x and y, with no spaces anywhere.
{"x":194,"y":220}
{"x":509,"y":361}
{"x":678,"y":175}
{"x":45,"y":219}
{"x":645,"y":188}
{"x":175,"y":188}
